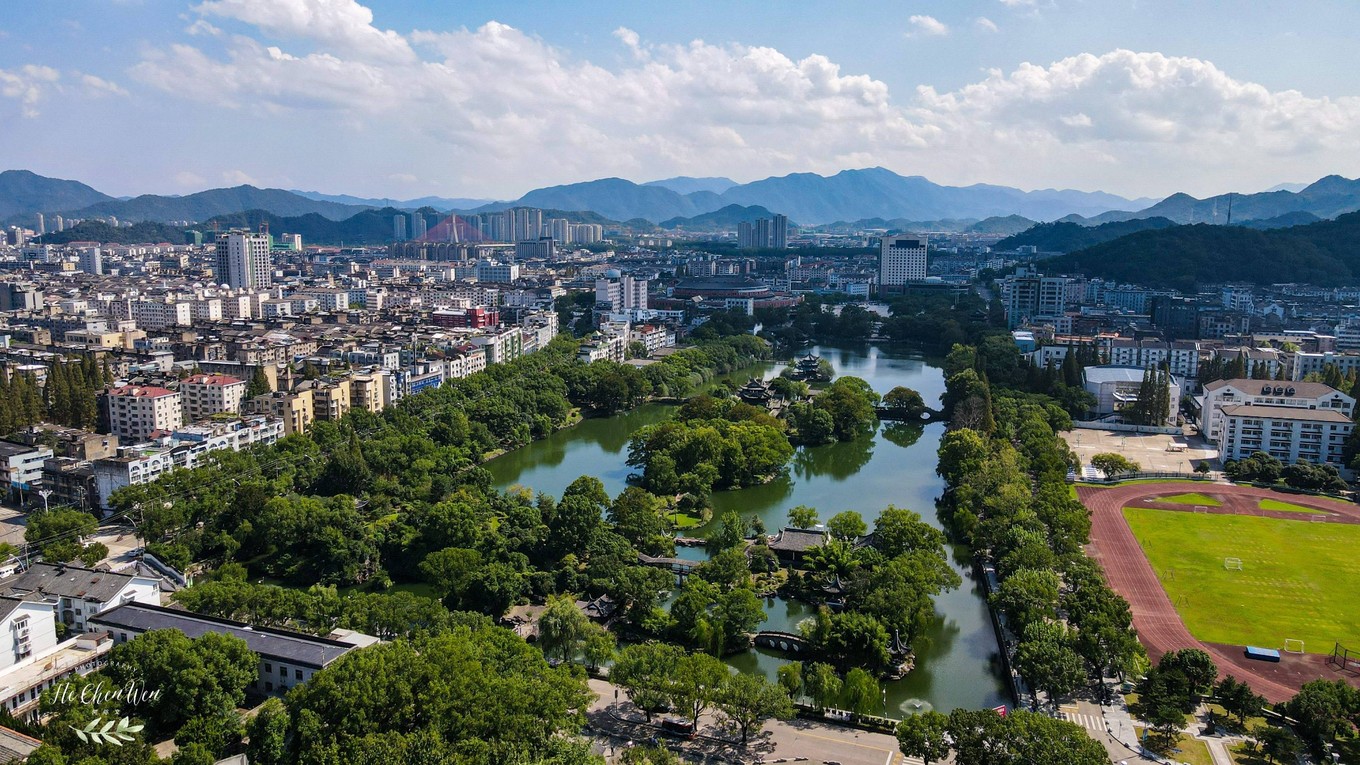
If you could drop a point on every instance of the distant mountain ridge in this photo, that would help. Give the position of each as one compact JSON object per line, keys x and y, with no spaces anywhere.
{"x":811,"y":199}
{"x":23,"y":193}
{"x":1325,"y":198}
{"x":1065,"y":236}
{"x":442,"y":204}
{"x":684,"y":184}
{"x":727,"y":217}
{"x":213,"y":202}
{"x":814,"y":199}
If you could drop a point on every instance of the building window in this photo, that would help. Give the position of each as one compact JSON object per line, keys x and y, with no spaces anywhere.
{"x":297,"y":674}
{"x":268,"y":667}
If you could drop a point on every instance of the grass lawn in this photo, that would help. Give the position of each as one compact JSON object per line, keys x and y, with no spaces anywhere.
{"x":1288,"y":507}
{"x":1242,"y":755}
{"x":1185,"y":749}
{"x":1297,"y":578}
{"x":684,"y":520}
{"x":1193,"y":498}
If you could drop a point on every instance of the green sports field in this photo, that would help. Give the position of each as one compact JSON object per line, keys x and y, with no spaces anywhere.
{"x":1193,"y":498}
{"x":1298,"y":580}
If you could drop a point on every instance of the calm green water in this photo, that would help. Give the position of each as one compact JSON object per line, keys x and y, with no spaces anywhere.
{"x":957,"y":658}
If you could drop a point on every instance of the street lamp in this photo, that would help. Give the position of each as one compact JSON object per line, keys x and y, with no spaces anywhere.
{"x":44,"y":493}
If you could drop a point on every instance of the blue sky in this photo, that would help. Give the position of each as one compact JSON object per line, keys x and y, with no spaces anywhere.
{"x":489,"y":99}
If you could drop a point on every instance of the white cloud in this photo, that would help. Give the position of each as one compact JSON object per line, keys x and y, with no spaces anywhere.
{"x":238,"y":178}
{"x":985,"y":24}
{"x":100,"y":86}
{"x":28,"y":85}
{"x":189,"y":180}
{"x":1020,"y":3}
{"x":488,"y":105}
{"x":928,"y":26}
{"x":630,"y":39}
{"x":343,"y":24}
{"x":202,"y":27}
{"x":402,"y":178}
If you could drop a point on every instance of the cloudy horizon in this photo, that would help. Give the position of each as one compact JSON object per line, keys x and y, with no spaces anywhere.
{"x":327,"y":95}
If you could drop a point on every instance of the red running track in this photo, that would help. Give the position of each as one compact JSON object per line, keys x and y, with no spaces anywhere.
{"x":1159,"y":627}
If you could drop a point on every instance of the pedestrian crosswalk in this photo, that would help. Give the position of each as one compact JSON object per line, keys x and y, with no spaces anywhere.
{"x":1087,"y":721}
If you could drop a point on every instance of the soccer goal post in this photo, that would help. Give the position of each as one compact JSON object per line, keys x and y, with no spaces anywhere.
{"x":1293,"y":645}
{"x":1232,"y":564}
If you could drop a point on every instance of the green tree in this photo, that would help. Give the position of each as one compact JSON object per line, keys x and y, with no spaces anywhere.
{"x":1323,"y":709}
{"x":1238,"y":699}
{"x":747,"y":701}
{"x":802,"y":517}
{"x":259,"y":383}
{"x":269,"y":735}
{"x":905,"y":402}
{"x":791,"y":678}
{"x":696,"y":684}
{"x":1278,"y":744}
{"x":1029,"y":595}
{"x":598,"y":648}
{"x":644,"y":671}
{"x":562,"y":628}
{"x":204,"y":677}
{"x":480,"y":691}
{"x":822,"y":684}
{"x":1114,"y":465}
{"x":861,"y":693}
{"x":1046,"y":658}
{"x":846,"y":526}
{"x":925,"y":736}
{"x":58,"y":525}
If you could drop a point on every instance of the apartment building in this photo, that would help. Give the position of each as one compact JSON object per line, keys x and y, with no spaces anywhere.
{"x":135,"y":412}
{"x":295,"y":408}
{"x":207,"y":395}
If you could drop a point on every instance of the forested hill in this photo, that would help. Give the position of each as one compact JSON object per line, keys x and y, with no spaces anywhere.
{"x":1061,"y":236}
{"x":1183,"y":257}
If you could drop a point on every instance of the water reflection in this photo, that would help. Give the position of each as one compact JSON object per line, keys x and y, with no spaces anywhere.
{"x":957,"y":654}
{"x":838,"y":461}
{"x":903,"y":434}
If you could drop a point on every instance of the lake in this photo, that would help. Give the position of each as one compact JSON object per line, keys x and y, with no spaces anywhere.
{"x":958,"y":662}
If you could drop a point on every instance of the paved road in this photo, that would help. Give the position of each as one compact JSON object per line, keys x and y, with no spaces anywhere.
{"x":12,"y":522}
{"x":792,"y":739}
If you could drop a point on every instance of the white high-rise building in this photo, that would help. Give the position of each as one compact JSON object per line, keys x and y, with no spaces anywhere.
{"x":623,"y":294}
{"x":901,"y":260}
{"x":561,"y":230}
{"x":528,"y":224}
{"x":243,"y":260}
{"x":92,"y":260}
{"x":42,"y":227}
{"x":417,"y":226}
{"x":399,"y":227}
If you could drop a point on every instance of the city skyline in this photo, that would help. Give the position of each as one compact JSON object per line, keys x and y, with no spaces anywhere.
{"x":407,"y":100}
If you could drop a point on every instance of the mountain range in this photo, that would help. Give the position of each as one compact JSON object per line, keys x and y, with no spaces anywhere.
{"x":443,"y":204}
{"x":24,"y":193}
{"x":809,"y":199}
{"x":813,"y":199}
{"x":1325,"y":198}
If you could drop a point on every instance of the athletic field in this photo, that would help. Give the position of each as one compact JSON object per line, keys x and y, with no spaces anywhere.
{"x":1299,"y":580}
